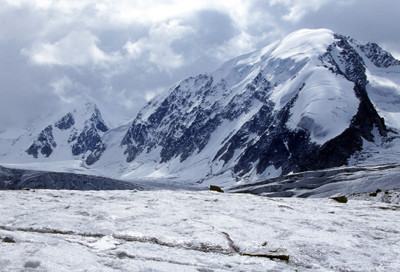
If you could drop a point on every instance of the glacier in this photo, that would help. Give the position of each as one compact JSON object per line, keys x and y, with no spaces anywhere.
{"x":194,"y":231}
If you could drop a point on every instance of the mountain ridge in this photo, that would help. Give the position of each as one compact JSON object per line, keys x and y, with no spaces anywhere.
{"x":310,"y":101}
{"x":333,"y":56}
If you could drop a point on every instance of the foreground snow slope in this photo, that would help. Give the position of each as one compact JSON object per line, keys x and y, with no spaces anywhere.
{"x":192,"y":231}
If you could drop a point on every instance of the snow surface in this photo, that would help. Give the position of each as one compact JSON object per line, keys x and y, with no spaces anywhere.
{"x":324,"y":99}
{"x":304,"y":43}
{"x":193,"y":231}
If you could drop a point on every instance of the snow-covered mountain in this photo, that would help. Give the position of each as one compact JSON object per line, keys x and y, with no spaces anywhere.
{"x":312,"y":100}
{"x":307,"y":102}
{"x":70,"y":135}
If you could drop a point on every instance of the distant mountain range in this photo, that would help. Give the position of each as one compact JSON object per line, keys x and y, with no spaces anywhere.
{"x":313,"y":100}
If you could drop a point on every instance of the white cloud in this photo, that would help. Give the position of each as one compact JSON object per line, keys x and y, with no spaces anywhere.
{"x":240,"y":43}
{"x":297,"y":9}
{"x":61,"y":88}
{"x":78,"y":48}
{"x":157,"y":45}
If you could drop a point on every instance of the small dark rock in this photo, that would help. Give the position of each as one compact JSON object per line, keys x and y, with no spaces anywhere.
{"x":216,"y":188}
{"x":204,"y":270}
{"x":271,"y":256}
{"x":8,"y":240}
{"x":122,"y":255}
{"x":374,"y":194}
{"x":32,"y":264}
{"x":340,"y":199}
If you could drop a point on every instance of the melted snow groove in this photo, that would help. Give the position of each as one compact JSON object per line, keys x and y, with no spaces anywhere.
{"x":125,"y":255}
{"x":231,"y":243}
{"x":272,"y":255}
{"x":201,"y":247}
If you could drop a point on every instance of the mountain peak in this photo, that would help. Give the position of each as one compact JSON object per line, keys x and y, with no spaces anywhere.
{"x":304,"y":43}
{"x":74,"y":132}
{"x":297,"y":47}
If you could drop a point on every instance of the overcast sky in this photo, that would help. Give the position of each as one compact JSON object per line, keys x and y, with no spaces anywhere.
{"x":124,"y":52}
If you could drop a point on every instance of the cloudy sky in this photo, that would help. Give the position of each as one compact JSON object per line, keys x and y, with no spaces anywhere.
{"x":124,"y":52}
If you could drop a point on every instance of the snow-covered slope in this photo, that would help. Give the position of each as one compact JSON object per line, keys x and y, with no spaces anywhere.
{"x":312,"y":100}
{"x":193,"y":231}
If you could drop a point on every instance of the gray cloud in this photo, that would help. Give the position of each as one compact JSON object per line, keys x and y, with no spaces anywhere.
{"x":370,"y":20}
{"x":125,"y":52}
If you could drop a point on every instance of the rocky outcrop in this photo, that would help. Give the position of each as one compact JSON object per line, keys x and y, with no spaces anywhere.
{"x":44,"y":144}
{"x":82,"y":129}
{"x":65,"y":122}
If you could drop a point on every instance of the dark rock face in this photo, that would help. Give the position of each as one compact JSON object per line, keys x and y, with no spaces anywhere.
{"x":275,"y":146}
{"x":181,"y":133}
{"x":378,"y":56}
{"x":98,"y":121}
{"x":89,"y":140}
{"x":86,"y":141}
{"x":180,"y":137}
{"x":16,"y":179}
{"x":43,"y":144}
{"x":65,"y":122}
